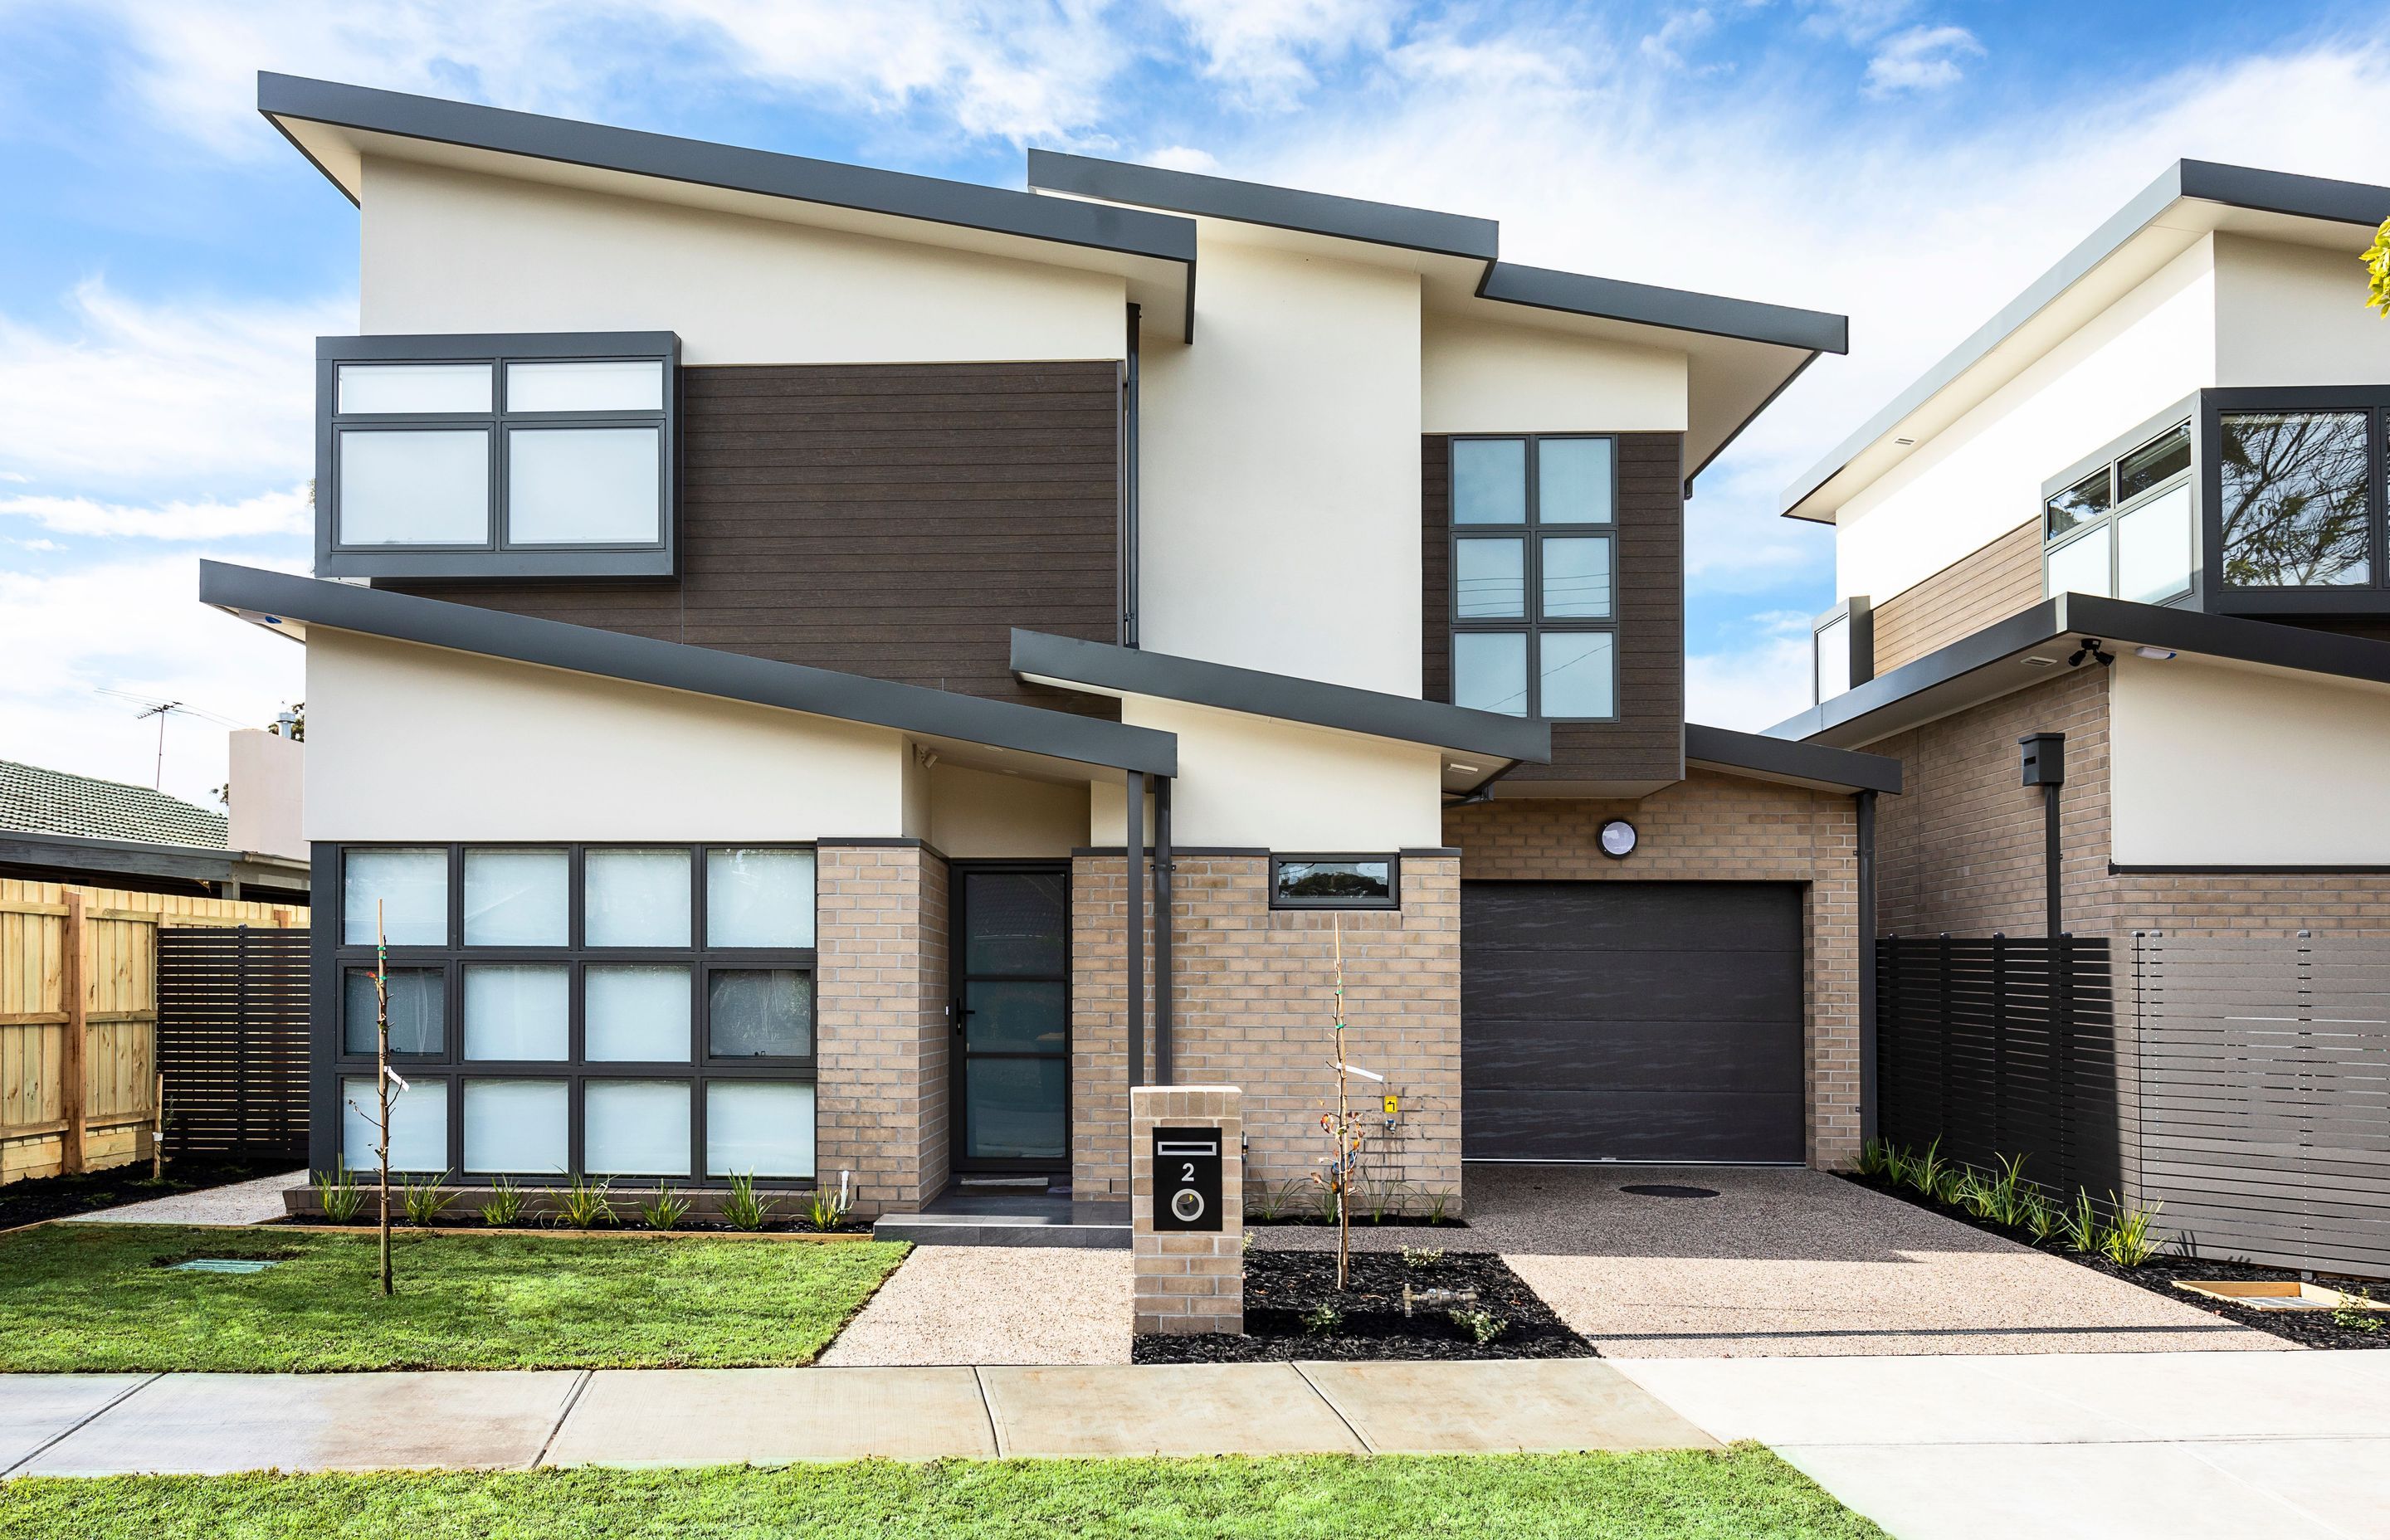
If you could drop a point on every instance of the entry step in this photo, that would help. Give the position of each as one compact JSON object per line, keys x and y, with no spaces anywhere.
{"x":982,"y":1218}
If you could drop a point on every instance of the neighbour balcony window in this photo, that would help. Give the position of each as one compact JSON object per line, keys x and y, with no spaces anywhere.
{"x":1534,"y":584}
{"x":1335,"y":882}
{"x":496,"y":455}
{"x":615,"y":1016}
{"x":2126,"y":530}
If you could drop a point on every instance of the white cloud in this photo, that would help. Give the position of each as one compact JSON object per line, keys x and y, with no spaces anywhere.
{"x":290,"y":512}
{"x":1923,"y":58}
{"x":1754,"y":687}
{"x":1267,"y":52}
{"x":1681,"y":29}
{"x":1184,"y":158}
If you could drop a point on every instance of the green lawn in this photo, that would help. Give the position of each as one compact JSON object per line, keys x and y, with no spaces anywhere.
{"x":96,"y":1297}
{"x":1735,"y":1495}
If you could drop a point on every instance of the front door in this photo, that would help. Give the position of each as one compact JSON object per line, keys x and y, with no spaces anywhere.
{"x":1011,"y":947}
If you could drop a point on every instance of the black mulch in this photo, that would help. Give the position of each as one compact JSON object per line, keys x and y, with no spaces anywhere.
{"x":1282,"y":1288}
{"x":57,"y":1197}
{"x":2309,"y":1328}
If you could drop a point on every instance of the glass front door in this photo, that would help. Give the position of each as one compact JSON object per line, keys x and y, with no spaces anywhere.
{"x":1012,"y":1018}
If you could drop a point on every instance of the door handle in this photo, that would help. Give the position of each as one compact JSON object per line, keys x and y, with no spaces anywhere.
{"x":956,"y":1012}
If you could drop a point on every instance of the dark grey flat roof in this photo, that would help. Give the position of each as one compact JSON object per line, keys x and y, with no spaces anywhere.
{"x":1810,"y":763}
{"x":2237,"y":186}
{"x":1677,"y":309}
{"x":1067,"y":659}
{"x":274,"y":597}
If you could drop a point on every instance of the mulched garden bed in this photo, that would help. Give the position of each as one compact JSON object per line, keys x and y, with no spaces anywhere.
{"x":1283,"y":1288}
{"x":58,"y":1197}
{"x":2308,"y":1328}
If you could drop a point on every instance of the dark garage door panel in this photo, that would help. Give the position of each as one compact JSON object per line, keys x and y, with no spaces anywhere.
{"x":1630,"y":1020}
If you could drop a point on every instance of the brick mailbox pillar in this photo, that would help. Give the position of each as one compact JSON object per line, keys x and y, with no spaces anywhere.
{"x":1186,"y":1146}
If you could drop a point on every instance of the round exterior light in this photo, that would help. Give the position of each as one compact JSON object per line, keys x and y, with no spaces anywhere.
{"x":1618,"y":838}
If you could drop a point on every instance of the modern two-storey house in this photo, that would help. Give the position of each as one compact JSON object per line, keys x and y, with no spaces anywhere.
{"x":818,"y":670}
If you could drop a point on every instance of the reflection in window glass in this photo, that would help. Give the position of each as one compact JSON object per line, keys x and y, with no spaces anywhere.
{"x":517,"y":1012}
{"x":2162,"y":458}
{"x":637,"y":1013}
{"x":517,"y":898}
{"x":2154,"y":548}
{"x":2081,"y":566}
{"x":516,"y":1126}
{"x":2295,"y":510}
{"x":1489,"y":671}
{"x":1490,"y":580}
{"x":1335,"y":884}
{"x":418,"y":1125}
{"x":759,"y":898}
{"x":1489,"y":481}
{"x":759,"y":1013}
{"x":1577,"y":673}
{"x":584,"y":486}
{"x":2077,"y":506}
{"x":418,"y":1009}
{"x":410,"y":885}
{"x":634,"y":1127}
{"x":1576,"y":578}
{"x":1573,"y":480}
{"x":414,"y":486}
{"x":761,"y":1128}
{"x":635,"y":897}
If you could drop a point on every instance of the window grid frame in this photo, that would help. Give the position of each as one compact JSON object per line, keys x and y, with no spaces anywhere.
{"x":2106,"y":525}
{"x":1531,"y":623}
{"x":1392,"y":901}
{"x":2372,"y":597}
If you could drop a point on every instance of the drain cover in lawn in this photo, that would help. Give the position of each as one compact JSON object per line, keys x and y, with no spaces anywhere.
{"x":1285,"y":1290}
{"x":223,"y":1264}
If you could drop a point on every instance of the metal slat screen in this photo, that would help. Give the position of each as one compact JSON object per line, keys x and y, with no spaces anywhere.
{"x":232,"y":1041}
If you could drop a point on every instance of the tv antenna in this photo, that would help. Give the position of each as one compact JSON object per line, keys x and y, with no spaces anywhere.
{"x":161,"y":710}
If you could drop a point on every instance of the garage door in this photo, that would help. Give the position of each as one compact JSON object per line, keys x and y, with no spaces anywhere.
{"x":1630,"y":1021}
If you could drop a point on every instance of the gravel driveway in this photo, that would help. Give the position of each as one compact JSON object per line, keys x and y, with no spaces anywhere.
{"x":995,"y":1304}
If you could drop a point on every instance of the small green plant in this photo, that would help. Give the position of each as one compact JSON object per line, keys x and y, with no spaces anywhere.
{"x":1327,"y":1198}
{"x":1322,"y":1319}
{"x":1875,"y":1156}
{"x":2126,"y":1241}
{"x":1926,"y":1170}
{"x":1245,"y":1244}
{"x":828,"y":1207}
{"x":425,"y":1199}
{"x":1972,"y":1193}
{"x":1385,"y":1195}
{"x":743,"y":1209}
{"x":2036,"y":1215}
{"x":2377,"y":271}
{"x":1951,"y":1184}
{"x":2353,"y":1311}
{"x":1439,"y":1203}
{"x":665,"y":1209}
{"x":1482,"y":1325}
{"x":1419,"y":1258}
{"x":1269,"y":1201}
{"x":337,"y":1190}
{"x":2008,"y":1192}
{"x":2080,"y":1225}
{"x":506,"y":1205}
{"x":583,"y":1204}
{"x":1899,"y":1166}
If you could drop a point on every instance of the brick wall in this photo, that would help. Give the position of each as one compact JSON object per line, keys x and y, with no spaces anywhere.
{"x":1252,"y":1005}
{"x":1717,"y":827}
{"x":879,"y":1023}
{"x":1187,"y":1282}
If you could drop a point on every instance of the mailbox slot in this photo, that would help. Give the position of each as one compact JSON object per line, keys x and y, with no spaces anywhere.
{"x":1186,"y":1179}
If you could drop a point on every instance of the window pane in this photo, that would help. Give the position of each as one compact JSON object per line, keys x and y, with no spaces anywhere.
{"x":635,"y":897}
{"x":2295,"y":509}
{"x":1019,"y":923}
{"x":2081,"y":567}
{"x":1014,"y":1111}
{"x":516,"y":898}
{"x":1490,"y":579}
{"x":1573,"y":480}
{"x":411,"y":886}
{"x":2154,"y":548}
{"x":1009,"y":1017}
{"x":584,"y":486}
{"x":1833,"y":658}
{"x":1576,"y":578}
{"x":1579,"y":672}
{"x":418,"y":1125}
{"x":1489,"y":671}
{"x":1330,"y":883}
{"x":759,"y":1012}
{"x":402,"y":487}
{"x":635,"y":1013}
{"x":517,"y":1012}
{"x":587,"y":385}
{"x":2167,"y":455}
{"x":759,"y":1128}
{"x":516,"y":1125}
{"x":2077,"y":506}
{"x":1489,"y":481}
{"x":634,"y":1127}
{"x":415,"y":388}
{"x":759,"y":898}
{"x":417,"y":1008}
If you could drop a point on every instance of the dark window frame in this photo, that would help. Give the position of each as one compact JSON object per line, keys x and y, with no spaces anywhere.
{"x":2372,"y":597}
{"x":1393,"y":899}
{"x":1531,"y":623}
{"x":496,"y":556}
{"x":576,"y":1069}
{"x":2108,"y":462}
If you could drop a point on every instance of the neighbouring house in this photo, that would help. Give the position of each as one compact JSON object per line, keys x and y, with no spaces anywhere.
{"x":816,"y":670}
{"x":77,"y":829}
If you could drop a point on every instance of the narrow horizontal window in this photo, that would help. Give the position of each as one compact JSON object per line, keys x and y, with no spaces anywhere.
{"x":1332,"y":883}
{"x":759,"y":1128}
{"x":635,"y":1013}
{"x":584,"y":486}
{"x":403,"y":891}
{"x":2077,"y":506}
{"x":1489,"y":671}
{"x":634,"y":1127}
{"x":516,"y":1011}
{"x":1576,"y":577}
{"x":1489,"y":481}
{"x":1490,"y":580}
{"x":2295,"y":511}
{"x":414,"y":486}
{"x":2156,"y":462}
{"x":418,"y":1125}
{"x":759,"y":1013}
{"x":522,"y":1126}
{"x":1573,"y":480}
{"x":418,"y":1009}
{"x":587,"y":385}
{"x":413,"y":390}
{"x":1577,"y":675}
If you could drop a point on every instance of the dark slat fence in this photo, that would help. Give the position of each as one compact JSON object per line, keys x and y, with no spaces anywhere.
{"x":232,"y":1041}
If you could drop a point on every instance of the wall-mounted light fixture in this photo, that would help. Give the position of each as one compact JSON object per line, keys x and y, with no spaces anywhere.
{"x":2092,"y":647}
{"x":1618,"y":838}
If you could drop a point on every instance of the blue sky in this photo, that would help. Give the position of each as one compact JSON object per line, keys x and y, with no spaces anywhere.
{"x":166,"y":260}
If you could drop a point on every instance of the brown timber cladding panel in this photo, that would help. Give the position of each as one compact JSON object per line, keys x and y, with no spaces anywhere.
{"x":2001,"y":579}
{"x":232,"y":1041}
{"x":1648,"y":741}
{"x":894,"y":521}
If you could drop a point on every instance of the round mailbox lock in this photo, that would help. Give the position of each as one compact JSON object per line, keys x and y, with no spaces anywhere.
{"x":1188,"y":1204}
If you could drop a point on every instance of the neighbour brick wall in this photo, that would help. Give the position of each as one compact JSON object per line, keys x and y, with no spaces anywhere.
{"x":879,"y":1023}
{"x":1715,"y":827}
{"x":1253,"y":1003}
{"x":1996,"y":581}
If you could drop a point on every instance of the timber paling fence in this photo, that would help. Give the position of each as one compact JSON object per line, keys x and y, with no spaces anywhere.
{"x":232,"y":1042}
{"x":2245,"y":1084}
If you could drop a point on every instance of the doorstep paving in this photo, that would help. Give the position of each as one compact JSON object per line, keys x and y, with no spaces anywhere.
{"x":1527,"y":1405}
{"x":1098,"y":1410}
{"x":774,"y":1417}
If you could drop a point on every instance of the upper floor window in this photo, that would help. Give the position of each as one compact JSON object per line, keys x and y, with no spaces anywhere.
{"x":1534,"y":629}
{"x":2295,"y":497}
{"x":2124,"y":530}
{"x":496,"y":455}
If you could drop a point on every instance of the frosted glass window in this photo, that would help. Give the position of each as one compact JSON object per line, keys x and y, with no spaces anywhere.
{"x":1489,"y":671}
{"x":759,"y":1012}
{"x":418,"y":1125}
{"x":759,"y":1127}
{"x":1576,"y":578}
{"x":2154,"y":548}
{"x":414,"y":389}
{"x":516,"y":1126}
{"x":635,"y":1013}
{"x":418,"y":1010}
{"x":1489,"y":481}
{"x":410,"y":885}
{"x":517,"y":1012}
{"x":414,"y":486}
{"x":635,"y":897}
{"x":2081,"y":567}
{"x":759,"y":898}
{"x":1573,"y":480}
{"x":1490,"y":580}
{"x":634,"y":1127}
{"x":1578,"y":672}
{"x":587,"y":385}
{"x":1833,"y":658}
{"x":584,"y":486}
{"x":517,"y":898}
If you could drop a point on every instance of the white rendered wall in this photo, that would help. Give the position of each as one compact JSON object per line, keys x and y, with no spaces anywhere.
{"x":451,"y":252}
{"x":1278,"y":494}
{"x":1982,"y":476}
{"x":267,"y":794}
{"x":985,"y":815}
{"x":408,"y":742}
{"x":2227,"y":765}
{"x":1482,"y":376}
{"x":2296,"y":316}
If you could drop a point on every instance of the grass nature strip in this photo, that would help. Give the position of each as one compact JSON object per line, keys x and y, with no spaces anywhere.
{"x":1737,"y":1492}
{"x":95,"y":1298}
